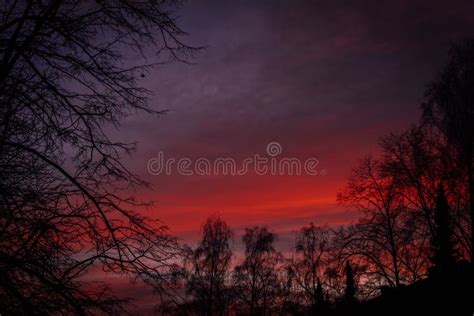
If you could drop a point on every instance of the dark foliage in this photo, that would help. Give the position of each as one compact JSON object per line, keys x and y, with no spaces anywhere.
{"x":443,"y":255}
{"x":350,"y":290}
{"x":449,"y":107}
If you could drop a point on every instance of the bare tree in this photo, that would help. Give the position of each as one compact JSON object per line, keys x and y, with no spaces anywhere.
{"x":416,"y":159}
{"x":312,"y":249}
{"x":209,"y":265}
{"x":65,"y":80}
{"x":413,"y":159}
{"x":256,"y":279}
{"x":380,"y":237}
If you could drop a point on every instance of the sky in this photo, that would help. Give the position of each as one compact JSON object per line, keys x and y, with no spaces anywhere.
{"x":323,"y":79}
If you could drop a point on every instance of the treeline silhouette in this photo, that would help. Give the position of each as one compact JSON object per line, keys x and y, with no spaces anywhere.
{"x":319,"y":276}
{"x":66,"y":207}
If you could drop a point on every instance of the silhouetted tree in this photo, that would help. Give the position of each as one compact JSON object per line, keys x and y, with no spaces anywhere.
{"x":412,"y":157}
{"x":290,"y":303}
{"x":380,"y":237}
{"x":350,"y":289}
{"x":210,"y":263}
{"x":322,"y":305}
{"x":308,"y":266}
{"x":450,"y":109}
{"x":256,"y":279}
{"x":407,"y":220}
{"x":416,"y":159}
{"x":443,"y":243}
{"x":64,"y":192}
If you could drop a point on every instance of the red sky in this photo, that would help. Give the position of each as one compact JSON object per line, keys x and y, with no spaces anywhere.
{"x":323,"y":80}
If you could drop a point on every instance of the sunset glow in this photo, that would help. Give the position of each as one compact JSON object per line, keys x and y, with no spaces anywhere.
{"x":325,"y":81}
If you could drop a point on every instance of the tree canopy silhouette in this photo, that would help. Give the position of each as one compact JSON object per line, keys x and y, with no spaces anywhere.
{"x":65,"y":80}
{"x":256,"y":279}
{"x":450,"y":109}
{"x":312,"y":249}
{"x":209,"y":269}
{"x":380,"y":237}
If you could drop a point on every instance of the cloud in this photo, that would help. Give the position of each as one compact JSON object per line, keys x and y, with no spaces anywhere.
{"x":326,"y":80}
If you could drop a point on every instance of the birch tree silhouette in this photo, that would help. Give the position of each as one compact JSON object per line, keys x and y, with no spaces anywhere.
{"x":256,"y":279}
{"x":312,"y":249}
{"x":210,"y":267}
